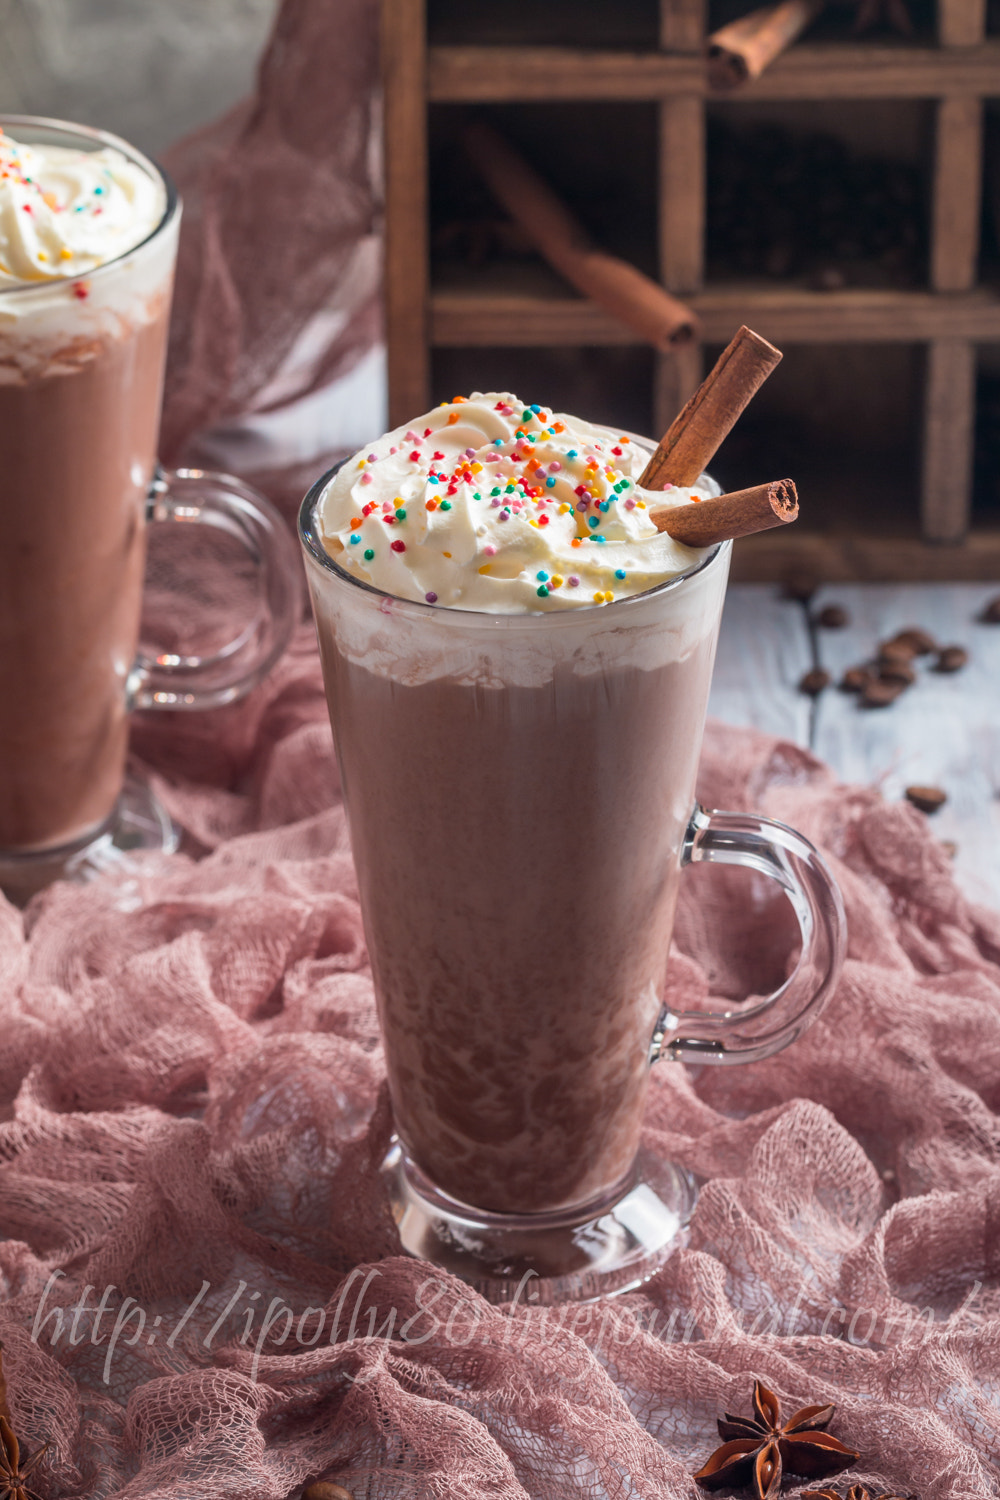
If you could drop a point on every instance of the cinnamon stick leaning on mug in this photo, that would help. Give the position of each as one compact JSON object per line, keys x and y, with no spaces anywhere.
{"x":740,"y":513}
{"x":636,"y":300}
{"x":690,"y":443}
{"x":743,"y":49}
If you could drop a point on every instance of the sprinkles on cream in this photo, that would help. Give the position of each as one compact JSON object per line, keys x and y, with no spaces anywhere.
{"x":65,"y":211}
{"x":491,"y":505}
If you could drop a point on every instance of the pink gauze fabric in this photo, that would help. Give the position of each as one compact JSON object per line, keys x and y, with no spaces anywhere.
{"x":193,"y":1114}
{"x":277,"y":289}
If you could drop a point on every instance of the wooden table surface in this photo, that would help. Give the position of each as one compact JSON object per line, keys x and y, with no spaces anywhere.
{"x":944,"y":731}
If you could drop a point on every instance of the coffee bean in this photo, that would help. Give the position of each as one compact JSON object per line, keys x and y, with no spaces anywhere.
{"x":895,"y":651}
{"x":855,"y":679}
{"x":927,"y":798}
{"x":991,"y":612}
{"x":951,"y":659}
{"x":897,"y":671}
{"x":833,"y":617}
{"x":919,"y":642}
{"x":880,"y":694}
{"x":814,"y":682}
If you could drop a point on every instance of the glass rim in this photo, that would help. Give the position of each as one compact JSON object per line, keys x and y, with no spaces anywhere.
{"x":102,"y":138}
{"x":313,"y":546}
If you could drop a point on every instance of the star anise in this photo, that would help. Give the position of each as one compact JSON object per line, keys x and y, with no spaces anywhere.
{"x":856,"y":1492}
{"x":13,"y":1472}
{"x":762,"y":1447}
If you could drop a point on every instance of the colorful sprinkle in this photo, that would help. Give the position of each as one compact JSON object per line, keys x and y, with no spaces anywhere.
{"x":369,"y":553}
{"x":399,"y":546}
{"x":542,"y":591}
{"x":431,"y":598}
{"x":573,"y":581}
{"x":355,"y":539}
{"x":619,"y":572}
{"x":401,"y":515}
{"x":593,"y":521}
{"x":542,"y":577}
{"x":445,"y":505}
{"x":550,"y":483}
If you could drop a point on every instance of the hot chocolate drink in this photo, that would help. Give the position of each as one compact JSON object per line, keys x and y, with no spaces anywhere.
{"x":517,"y":652}
{"x":85,"y":284}
{"x":518,"y":855}
{"x":519,"y":773}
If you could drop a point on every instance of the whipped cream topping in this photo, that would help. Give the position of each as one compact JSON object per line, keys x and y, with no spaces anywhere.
{"x":491,"y":505}
{"x":64,"y":211}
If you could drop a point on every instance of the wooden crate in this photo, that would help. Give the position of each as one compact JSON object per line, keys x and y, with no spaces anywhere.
{"x":951,"y":317}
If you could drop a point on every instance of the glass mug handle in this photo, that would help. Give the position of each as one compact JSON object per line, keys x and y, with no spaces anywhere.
{"x":752,"y":1031}
{"x":186,"y":496}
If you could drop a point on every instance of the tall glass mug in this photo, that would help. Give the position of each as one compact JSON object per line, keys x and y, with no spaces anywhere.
{"x":81,"y":375}
{"x":520,"y":791}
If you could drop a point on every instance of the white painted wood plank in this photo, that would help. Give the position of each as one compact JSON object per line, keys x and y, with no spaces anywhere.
{"x":944,"y":731}
{"x":763,"y":651}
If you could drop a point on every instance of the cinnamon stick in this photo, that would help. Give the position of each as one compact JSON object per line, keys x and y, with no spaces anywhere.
{"x":743,"y":49}
{"x":741,"y":513}
{"x":696,"y":432}
{"x":636,"y":300}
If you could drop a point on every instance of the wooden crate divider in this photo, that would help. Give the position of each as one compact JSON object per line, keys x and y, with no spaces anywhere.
{"x":407,"y":228}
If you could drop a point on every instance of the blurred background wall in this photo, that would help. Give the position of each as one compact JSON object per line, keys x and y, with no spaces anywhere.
{"x":150,"y":70}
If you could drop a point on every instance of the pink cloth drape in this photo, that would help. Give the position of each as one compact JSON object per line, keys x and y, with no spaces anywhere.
{"x":191,"y":1085}
{"x":280,"y":195}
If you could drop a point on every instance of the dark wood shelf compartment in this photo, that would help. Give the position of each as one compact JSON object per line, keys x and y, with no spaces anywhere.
{"x":932,"y":332}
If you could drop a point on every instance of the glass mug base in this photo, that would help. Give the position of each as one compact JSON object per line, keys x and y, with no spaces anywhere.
{"x":137,"y":824}
{"x":608,"y":1246}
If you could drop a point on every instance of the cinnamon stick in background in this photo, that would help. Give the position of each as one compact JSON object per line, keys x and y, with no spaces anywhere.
{"x":696,"y":432}
{"x":636,"y":300}
{"x":744,"y":48}
{"x":740,"y":513}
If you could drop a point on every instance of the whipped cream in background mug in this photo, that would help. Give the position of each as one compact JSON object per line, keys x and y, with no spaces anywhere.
{"x":65,"y":211}
{"x":489,"y":504}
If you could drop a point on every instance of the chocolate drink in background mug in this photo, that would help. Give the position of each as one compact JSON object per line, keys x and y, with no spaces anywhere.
{"x":88,"y":240}
{"x":519,"y":778}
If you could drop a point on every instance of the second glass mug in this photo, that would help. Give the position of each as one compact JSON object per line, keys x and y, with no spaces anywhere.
{"x":519,"y":790}
{"x":81,"y":372}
